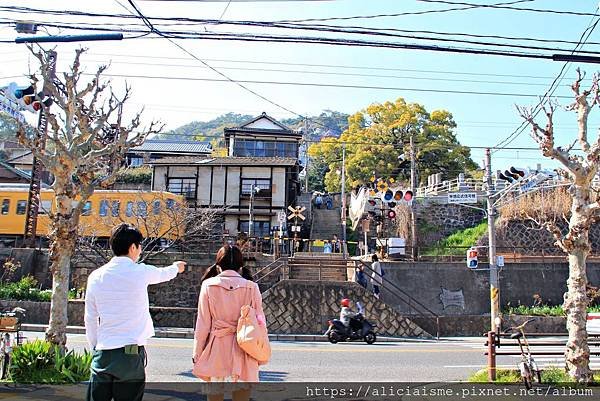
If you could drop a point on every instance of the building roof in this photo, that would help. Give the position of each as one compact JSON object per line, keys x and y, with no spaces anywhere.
{"x":226,"y":161}
{"x":26,"y":158}
{"x":263,"y":125}
{"x":15,"y":171}
{"x":169,"y":146}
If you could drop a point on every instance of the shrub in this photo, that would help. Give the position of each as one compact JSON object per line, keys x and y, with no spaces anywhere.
{"x":26,"y":290}
{"x":140,"y":175}
{"x":41,"y":362}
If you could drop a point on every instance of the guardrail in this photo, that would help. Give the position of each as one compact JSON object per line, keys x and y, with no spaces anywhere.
{"x":414,"y":305}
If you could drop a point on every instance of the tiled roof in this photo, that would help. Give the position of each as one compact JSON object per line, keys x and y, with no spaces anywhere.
{"x":227,"y":161}
{"x":263,"y":131}
{"x":27,"y":158}
{"x":166,"y":146}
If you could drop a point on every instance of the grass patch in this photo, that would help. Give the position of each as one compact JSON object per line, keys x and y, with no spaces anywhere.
{"x":459,"y":242}
{"x":550,"y":375}
{"x":502,"y":376}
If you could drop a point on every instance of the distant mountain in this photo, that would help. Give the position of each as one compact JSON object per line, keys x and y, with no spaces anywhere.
{"x":328,"y":123}
{"x":209,"y":130}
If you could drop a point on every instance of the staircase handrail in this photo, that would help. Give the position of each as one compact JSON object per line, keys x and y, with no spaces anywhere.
{"x":399,"y":292}
{"x":272,"y":267}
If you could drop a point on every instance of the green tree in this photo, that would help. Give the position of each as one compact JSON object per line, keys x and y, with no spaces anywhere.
{"x":377,"y":136}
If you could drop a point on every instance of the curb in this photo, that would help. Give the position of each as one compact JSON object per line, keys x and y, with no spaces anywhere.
{"x":187,"y":333}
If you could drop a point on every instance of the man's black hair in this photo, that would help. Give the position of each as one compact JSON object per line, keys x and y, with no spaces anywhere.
{"x":122,"y":237}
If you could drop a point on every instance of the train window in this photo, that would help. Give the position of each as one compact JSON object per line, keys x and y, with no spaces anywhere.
{"x":129,"y":209}
{"x":21,"y":206}
{"x":142,"y":209}
{"x":170,"y":203}
{"x":5,"y":206}
{"x":45,"y":207}
{"x":115,"y":208}
{"x":103,"y":209}
{"x":87,"y":209}
{"x":156,"y":207}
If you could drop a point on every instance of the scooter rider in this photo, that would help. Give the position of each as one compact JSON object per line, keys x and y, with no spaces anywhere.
{"x":346,"y":313}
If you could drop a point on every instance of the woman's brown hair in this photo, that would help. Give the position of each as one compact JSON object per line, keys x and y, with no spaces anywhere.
{"x":228,"y":258}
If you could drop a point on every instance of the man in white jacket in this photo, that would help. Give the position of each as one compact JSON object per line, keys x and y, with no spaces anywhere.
{"x":117,"y":318}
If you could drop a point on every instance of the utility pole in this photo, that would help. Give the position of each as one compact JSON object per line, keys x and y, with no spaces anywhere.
{"x":344,"y":249}
{"x":34,"y":196}
{"x":251,"y":212}
{"x":413,"y":188}
{"x":306,"y":154}
{"x":494,"y":279}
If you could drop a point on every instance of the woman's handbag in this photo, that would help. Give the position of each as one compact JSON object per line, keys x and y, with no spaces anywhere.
{"x":253,"y":337}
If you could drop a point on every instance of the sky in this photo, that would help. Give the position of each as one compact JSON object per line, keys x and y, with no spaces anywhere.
{"x":171,"y":81}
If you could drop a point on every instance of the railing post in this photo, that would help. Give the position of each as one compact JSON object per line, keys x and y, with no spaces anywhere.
{"x":491,"y":343}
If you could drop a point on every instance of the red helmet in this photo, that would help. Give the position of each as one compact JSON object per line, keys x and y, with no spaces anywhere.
{"x":345,"y":302}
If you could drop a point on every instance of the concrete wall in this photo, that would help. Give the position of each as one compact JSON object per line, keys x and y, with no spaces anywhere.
{"x":453,"y":289}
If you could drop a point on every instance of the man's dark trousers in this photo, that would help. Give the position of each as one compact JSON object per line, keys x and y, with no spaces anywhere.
{"x":117,"y":376}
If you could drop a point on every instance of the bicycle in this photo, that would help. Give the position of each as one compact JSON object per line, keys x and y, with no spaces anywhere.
{"x":528,"y":368}
{"x":10,"y":337}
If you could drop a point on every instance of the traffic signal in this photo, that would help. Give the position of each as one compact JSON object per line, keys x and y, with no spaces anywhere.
{"x":408,"y":196}
{"x":26,"y":97}
{"x":387,"y":196}
{"x":472,"y":258}
{"x":391,"y":214}
{"x":513,"y":174}
{"x":398,"y":195}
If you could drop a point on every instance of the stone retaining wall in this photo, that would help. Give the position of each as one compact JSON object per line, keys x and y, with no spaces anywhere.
{"x":295,"y":306}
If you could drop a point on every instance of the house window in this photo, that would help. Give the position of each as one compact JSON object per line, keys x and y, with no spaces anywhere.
{"x":258,"y":148}
{"x":183,"y":186}
{"x":5,"y":206}
{"x":136,"y":161}
{"x":259,"y":228}
{"x":262,"y":184}
{"x":103,"y":210}
{"x":21,"y":206}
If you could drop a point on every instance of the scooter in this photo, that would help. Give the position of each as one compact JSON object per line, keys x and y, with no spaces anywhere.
{"x":358,"y":329}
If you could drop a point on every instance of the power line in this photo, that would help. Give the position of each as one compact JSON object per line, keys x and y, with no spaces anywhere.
{"x":517,"y":132}
{"x":506,"y":7}
{"x":327,"y":86}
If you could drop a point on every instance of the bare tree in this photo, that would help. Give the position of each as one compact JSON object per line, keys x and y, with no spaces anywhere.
{"x":81,"y":158}
{"x":580,"y":170}
{"x":171,"y":227}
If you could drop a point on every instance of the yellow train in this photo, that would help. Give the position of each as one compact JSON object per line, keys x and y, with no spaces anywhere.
{"x":157,"y":214}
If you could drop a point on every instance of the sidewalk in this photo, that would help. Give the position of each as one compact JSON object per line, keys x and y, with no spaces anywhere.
{"x":175,"y":332}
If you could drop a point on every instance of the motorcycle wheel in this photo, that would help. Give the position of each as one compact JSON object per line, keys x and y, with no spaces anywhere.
{"x":333,"y":337}
{"x":370,"y":337}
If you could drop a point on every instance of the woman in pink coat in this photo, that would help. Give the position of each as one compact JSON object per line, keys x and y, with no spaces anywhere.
{"x":217,"y":356}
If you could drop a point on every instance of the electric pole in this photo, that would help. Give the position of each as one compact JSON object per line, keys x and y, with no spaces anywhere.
{"x":344,"y":200}
{"x":494,"y":279}
{"x":34,"y":195}
{"x":306,"y":154}
{"x":413,"y":188}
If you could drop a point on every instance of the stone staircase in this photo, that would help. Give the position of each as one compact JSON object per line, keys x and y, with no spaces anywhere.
{"x":326,"y":223}
{"x":312,"y":266}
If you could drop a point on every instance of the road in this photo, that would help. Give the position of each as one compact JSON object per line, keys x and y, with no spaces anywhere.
{"x":169,"y":360}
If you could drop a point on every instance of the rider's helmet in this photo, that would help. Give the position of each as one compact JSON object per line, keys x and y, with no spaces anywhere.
{"x":345,"y":303}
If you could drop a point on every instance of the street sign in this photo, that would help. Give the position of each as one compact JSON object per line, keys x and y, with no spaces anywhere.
{"x":10,"y":107}
{"x":462,"y":197}
{"x":281,"y":216}
{"x":500,"y":261}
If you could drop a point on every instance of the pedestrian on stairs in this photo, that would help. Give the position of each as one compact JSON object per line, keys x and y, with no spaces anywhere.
{"x":319,"y":201}
{"x":376,"y":278}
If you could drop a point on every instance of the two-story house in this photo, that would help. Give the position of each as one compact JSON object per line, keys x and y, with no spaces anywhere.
{"x":262,"y":156}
